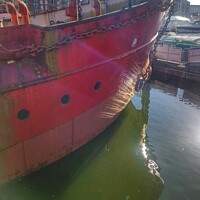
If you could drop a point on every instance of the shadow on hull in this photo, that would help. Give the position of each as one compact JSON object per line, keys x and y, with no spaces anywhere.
{"x":112,"y":166}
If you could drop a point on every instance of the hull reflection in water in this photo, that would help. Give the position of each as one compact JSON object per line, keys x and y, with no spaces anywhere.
{"x":146,"y":150}
{"x":119,"y":164}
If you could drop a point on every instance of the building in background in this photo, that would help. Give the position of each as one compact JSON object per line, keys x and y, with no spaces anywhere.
{"x":182,"y":8}
{"x":195,"y":13}
{"x":195,"y":9}
{"x":2,"y":7}
{"x":40,"y":6}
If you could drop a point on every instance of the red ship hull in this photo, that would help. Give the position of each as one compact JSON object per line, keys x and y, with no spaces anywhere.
{"x":61,"y":92}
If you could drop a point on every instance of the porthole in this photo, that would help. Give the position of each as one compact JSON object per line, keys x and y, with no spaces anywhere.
{"x":65,"y":99}
{"x":23,"y":114}
{"x":97,"y":86}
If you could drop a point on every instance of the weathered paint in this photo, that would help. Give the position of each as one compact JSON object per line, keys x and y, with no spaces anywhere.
{"x":6,"y":131}
{"x":98,"y":73}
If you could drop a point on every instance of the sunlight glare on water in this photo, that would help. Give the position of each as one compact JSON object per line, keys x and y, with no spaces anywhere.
{"x":151,"y":152}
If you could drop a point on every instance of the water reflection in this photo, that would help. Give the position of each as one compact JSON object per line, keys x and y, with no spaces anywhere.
{"x":174,"y":132}
{"x":146,"y":149}
{"x":118,"y":164}
{"x":186,"y":91}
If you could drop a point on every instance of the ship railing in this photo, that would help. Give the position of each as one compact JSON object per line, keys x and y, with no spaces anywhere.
{"x":111,"y":6}
{"x":114,"y":6}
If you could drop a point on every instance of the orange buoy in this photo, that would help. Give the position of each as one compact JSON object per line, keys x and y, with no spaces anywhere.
{"x":23,"y":10}
{"x":14,"y":16}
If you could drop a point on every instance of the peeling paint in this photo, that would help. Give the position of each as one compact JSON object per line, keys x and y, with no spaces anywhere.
{"x":6,"y":132}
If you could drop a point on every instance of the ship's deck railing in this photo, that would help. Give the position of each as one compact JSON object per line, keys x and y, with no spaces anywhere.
{"x":111,"y":6}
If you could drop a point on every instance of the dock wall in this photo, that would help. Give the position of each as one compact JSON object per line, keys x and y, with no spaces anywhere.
{"x":185,"y":71}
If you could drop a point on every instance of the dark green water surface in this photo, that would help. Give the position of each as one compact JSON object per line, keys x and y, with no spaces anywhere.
{"x":151,"y":152}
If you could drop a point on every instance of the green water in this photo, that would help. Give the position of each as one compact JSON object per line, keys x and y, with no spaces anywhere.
{"x":151,"y":152}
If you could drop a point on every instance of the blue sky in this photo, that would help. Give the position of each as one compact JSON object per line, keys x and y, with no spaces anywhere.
{"x":194,"y":2}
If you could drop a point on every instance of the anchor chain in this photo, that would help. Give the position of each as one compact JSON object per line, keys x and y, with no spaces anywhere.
{"x":79,"y":10}
{"x":161,"y":32}
{"x":34,"y":50}
{"x":142,"y":77}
